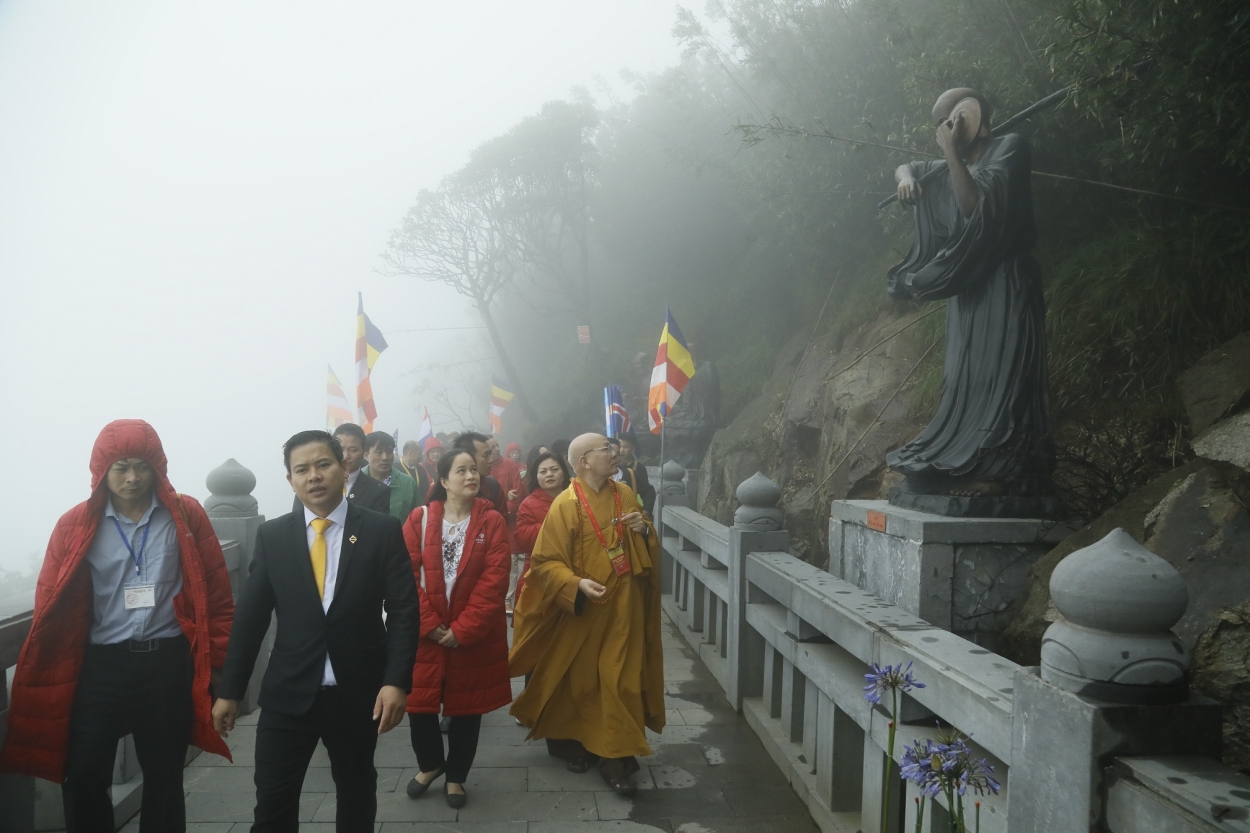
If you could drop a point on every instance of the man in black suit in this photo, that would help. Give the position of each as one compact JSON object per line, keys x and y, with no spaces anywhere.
{"x":338,"y":673}
{"x":364,"y":491}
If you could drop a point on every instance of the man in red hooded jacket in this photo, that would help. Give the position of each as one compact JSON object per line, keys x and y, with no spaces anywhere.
{"x":132,"y":614}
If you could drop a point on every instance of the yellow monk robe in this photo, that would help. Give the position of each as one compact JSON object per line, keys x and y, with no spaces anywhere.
{"x":598,"y":675}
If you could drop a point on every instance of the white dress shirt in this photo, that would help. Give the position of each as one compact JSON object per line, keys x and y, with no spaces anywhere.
{"x":351,"y":480}
{"x":334,"y":544}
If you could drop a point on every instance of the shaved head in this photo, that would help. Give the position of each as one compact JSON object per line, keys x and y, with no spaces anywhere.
{"x":584,"y":443}
{"x":946,"y":103}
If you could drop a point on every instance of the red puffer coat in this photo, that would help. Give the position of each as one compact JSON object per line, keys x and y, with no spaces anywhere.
{"x":47,"y":669}
{"x":473,"y":678}
{"x":529,"y":520}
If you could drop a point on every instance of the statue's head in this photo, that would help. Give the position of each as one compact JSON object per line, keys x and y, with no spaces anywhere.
{"x":974,"y":107}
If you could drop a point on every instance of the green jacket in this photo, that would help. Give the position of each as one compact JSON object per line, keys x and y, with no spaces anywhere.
{"x":403,"y":493}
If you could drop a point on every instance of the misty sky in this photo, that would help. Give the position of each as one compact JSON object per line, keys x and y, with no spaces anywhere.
{"x":194,"y":193}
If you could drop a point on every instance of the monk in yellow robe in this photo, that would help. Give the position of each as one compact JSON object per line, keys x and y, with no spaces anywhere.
{"x":589,"y":623}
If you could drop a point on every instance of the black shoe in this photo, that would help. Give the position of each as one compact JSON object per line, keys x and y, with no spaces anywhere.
{"x":444,"y":725}
{"x":416,"y":789}
{"x":455,"y":800}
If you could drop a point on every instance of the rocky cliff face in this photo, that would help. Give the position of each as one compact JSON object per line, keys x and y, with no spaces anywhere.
{"x":1196,"y":518}
{"x":822,"y":427}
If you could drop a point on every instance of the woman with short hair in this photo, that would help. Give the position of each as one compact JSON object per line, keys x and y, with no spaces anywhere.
{"x":459,"y":546}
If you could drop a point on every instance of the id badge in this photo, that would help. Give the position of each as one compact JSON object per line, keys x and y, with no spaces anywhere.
{"x":140,"y":596}
{"x":620,"y":561}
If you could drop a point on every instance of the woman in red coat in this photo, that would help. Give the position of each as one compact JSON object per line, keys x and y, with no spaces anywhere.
{"x":547,"y":478}
{"x":460,"y":553}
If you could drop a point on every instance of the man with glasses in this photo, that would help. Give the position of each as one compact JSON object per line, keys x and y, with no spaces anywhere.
{"x":592,"y":591}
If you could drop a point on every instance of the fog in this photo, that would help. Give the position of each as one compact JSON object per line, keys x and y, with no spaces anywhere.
{"x":193,"y":196}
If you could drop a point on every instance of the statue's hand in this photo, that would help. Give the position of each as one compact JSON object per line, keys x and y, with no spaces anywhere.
{"x":909,"y":190}
{"x":948,"y":134}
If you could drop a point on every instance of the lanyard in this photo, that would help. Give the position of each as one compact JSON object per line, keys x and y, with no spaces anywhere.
{"x":594,"y":523}
{"x":137,"y":557}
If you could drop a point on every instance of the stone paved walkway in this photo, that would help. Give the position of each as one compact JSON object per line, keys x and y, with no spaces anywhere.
{"x":708,"y":774}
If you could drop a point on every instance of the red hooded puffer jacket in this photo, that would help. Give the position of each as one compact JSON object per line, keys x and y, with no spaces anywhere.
{"x":471,"y":679}
{"x":47,"y":669}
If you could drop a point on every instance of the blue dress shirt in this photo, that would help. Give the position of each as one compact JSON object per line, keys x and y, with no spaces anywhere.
{"x":113,"y":569}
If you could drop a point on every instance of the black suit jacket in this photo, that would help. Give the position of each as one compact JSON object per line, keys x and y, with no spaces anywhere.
{"x":366,"y":493}
{"x":374,"y":572}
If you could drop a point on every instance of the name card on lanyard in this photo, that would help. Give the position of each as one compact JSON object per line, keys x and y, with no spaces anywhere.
{"x":137,"y":596}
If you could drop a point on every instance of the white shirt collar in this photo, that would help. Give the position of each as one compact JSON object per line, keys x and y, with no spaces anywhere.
{"x":338,"y":516}
{"x":110,"y":512}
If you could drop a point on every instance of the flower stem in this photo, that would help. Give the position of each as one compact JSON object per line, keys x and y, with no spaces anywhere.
{"x":889,"y":762}
{"x":920,"y":815}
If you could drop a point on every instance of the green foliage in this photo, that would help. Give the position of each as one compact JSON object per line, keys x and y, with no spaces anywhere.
{"x":1165,"y":80}
{"x":1133,"y":307}
{"x":739,"y":185}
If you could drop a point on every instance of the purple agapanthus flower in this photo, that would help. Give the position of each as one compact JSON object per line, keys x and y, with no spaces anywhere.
{"x":937,"y":768}
{"x":891,"y":677}
{"x":923,"y":766}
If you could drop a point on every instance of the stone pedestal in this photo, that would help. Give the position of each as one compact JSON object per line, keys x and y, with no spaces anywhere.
{"x":967,"y":575}
{"x":233,"y":512}
{"x":1063,"y":742}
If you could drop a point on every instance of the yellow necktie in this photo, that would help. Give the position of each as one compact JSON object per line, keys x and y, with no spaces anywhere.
{"x":318,"y":553}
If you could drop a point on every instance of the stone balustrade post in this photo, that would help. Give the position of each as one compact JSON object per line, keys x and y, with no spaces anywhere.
{"x":756,"y":528}
{"x":235,"y":517}
{"x":670,"y":492}
{"x":1113,"y":682}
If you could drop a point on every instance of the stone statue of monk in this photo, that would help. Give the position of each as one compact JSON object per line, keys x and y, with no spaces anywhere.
{"x":589,"y":624}
{"x":988,"y":446}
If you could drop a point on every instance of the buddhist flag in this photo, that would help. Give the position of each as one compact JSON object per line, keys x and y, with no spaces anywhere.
{"x":674,"y":366}
{"x":500,"y":396}
{"x":337,"y":409}
{"x":615,"y":415}
{"x":369,"y":345}
{"x":427,"y":429}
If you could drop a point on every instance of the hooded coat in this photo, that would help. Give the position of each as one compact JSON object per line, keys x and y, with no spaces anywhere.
{"x":473,"y":678}
{"x":46,"y":677}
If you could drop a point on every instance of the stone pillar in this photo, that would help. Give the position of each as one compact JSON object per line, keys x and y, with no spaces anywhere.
{"x":234,"y":515}
{"x":966,"y":575}
{"x":757,"y":528}
{"x":1112,"y":684}
{"x":672,"y":491}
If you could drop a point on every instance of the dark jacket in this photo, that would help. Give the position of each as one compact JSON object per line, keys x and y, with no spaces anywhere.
{"x":374,"y":572}
{"x":636,"y":478}
{"x":366,"y":493}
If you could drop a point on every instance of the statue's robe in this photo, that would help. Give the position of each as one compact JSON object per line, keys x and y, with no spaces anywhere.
{"x":598,"y":667}
{"x":993,"y":421}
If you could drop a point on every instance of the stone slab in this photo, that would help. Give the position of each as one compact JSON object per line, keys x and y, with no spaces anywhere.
{"x":959,"y":506}
{"x":937,"y":529}
{"x":1203,"y":787}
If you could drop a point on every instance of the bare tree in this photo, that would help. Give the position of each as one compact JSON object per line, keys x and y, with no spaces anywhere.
{"x":456,"y":235}
{"x":543,"y":168}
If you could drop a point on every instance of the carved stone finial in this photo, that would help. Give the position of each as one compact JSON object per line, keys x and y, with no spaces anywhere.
{"x":758,"y":498}
{"x":230,"y":486}
{"x":672,"y":475}
{"x":1118,"y":602}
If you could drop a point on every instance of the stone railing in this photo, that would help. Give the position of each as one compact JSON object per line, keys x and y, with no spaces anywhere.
{"x":29,"y":804}
{"x":790,"y":645}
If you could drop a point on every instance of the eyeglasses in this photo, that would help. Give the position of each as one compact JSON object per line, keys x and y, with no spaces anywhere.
{"x":611,"y":449}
